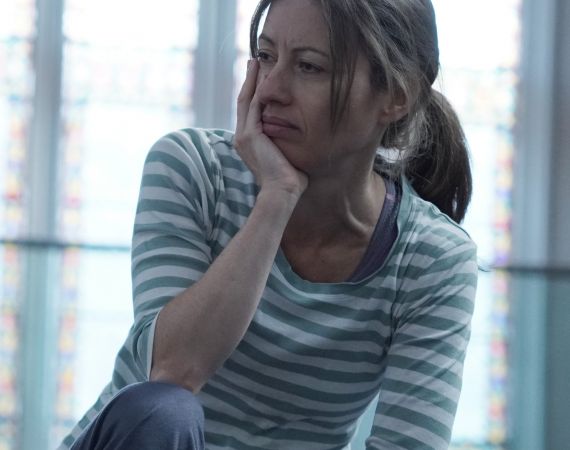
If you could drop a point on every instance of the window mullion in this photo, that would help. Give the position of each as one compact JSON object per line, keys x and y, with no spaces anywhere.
{"x":39,"y":312}
{"x":532,"y":172}
{"x":226,"y":40}
{"x":534,"y":134}
{"x":215,"y":54}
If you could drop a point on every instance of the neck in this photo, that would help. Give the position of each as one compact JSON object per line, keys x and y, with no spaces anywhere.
{"x":337,"y":209}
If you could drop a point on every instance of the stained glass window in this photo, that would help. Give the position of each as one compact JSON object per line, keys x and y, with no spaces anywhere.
{"x":127,"y":80}
{"x":17,"y":34}
{"x":480,"y":78}
{"x":11,"y":269}
{"x":94,"y":322}
{"x":123,"y":88}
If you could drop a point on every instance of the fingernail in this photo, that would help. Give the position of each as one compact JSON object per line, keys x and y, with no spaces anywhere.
{"x":249,"y":63}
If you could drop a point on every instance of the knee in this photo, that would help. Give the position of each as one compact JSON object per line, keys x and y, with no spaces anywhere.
{"x":147,"y":415}
{"x":161,"y":402}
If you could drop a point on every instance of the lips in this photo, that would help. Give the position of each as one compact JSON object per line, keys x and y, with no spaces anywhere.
{"x":277,"y":121}
{"x":277,"y":127}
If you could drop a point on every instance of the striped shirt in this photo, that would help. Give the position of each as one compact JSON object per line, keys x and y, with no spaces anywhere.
{"x":315,"y":354}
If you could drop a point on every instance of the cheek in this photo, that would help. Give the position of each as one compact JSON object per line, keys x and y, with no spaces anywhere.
{"x":316,"y":103}
{"x":260,"y":79}
{"x":317,"y":125}
{"x":262,"y":75}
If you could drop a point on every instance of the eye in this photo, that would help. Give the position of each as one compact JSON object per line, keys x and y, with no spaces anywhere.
{"x":309,"y":67}
{"x":263,"y":57}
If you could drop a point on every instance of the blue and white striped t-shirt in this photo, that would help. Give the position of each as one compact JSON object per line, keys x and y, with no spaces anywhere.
{"x":315,"y":354}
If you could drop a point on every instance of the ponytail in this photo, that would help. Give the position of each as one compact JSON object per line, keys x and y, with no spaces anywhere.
{"x":439,"y":168}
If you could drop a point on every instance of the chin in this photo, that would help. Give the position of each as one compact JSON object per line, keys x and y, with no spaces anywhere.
{"x":299,"y":156}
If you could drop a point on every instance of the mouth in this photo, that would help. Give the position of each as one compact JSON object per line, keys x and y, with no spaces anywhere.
{"x":277,"y":127}
{"x":274,"y":120}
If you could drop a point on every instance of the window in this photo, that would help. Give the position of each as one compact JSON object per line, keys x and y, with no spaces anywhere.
{"x":17,"y":36}
{"x":480,"y":76}
{"x":129,"y":78}
{"x":122,"y":89}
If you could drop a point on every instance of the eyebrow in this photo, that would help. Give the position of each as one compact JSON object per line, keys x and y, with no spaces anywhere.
{"x":304,"y":48}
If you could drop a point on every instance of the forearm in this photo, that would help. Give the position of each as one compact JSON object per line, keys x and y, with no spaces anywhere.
{"x":198,"y":330}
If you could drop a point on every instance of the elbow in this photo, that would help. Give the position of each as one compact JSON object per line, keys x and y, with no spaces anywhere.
{"x":190,"y":379}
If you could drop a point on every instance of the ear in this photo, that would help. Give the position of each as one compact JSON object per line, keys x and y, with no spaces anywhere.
{"x":393,"y":108}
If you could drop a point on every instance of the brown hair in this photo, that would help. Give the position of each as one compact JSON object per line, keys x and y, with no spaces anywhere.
{"x":399,"y":38}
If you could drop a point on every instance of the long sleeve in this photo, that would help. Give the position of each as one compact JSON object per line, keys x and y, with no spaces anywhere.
{"x":170,"y":249}
{"x":422,"y":381}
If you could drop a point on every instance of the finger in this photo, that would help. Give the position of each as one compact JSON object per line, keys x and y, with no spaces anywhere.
{"x":246,"y":94}
{"x":253,"y":118}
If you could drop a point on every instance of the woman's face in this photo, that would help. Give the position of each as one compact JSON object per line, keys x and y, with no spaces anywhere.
{"x":294,"y":89}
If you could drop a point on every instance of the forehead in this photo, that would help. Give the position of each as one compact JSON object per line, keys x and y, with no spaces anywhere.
{"x":296,"y":22}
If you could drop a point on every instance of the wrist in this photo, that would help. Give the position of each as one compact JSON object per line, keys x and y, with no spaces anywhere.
{"x":289,"y":188}
{"x":278,"y":199}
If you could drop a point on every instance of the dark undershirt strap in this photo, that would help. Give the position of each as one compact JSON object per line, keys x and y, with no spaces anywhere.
{"x":384,"y":235}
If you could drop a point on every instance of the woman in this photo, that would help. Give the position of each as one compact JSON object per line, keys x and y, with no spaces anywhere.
{"x":285,"y":276}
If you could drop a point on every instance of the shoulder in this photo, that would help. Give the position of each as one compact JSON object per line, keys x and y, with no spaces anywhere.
{"x":192,"y":147}
{"x":435,"y":260}
{"x":203,"y":170}
{"x":202,"y":157}
{"x":429,"y":240}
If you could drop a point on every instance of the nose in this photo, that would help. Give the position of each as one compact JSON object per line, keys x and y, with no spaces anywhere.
{"x":274,"y":85}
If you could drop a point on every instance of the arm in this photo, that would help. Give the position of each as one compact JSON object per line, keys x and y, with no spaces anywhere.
{"x":197,"y":331}
{"x":422,"y":381}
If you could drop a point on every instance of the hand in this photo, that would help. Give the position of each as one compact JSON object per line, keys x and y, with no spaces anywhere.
{"x":268,"y":164}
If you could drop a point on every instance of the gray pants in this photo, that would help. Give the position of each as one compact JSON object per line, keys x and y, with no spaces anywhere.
{"x":151,"y":415}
